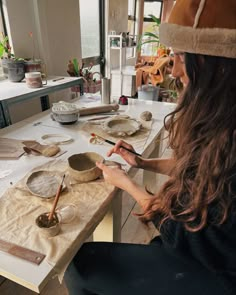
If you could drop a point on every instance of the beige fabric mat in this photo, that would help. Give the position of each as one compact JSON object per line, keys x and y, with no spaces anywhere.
{"x":19,"y":209}
{"x":138,"y":139}
{"x":10,"y":148}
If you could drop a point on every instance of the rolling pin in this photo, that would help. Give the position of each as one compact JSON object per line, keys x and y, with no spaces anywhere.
{"x":98,"y":109}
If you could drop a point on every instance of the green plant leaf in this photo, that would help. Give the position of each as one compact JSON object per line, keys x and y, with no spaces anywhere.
{"x":76,"y":66}
{"x":155,"y":19}
{"x":150,"y":41}
{"x":155,"y":37}
{"x":149,"y":34}
{"x":1,"y":50}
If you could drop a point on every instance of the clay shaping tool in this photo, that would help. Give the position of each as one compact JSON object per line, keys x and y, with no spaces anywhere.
{"x":56,"y":200}
{"x":113,"y":143}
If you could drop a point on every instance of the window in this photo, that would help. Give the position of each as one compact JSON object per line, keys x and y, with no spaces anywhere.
{"x":131,"y":16}
{"x":2,"y":31}
{"x":151,"y":7}
{"x":132,"y":10}
{"x":92,"y":33}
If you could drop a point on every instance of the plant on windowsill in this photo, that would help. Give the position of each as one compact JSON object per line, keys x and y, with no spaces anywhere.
{"x":153,"y":37}
{"x":91,"y":84}
{"x":13,"y":67}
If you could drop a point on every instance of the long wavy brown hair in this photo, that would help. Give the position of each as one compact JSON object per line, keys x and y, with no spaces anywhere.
{"x":202,"y":134}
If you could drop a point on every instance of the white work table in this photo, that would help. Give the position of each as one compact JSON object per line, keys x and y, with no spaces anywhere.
{"x":33,"y":276}
{"x":16,"y":92}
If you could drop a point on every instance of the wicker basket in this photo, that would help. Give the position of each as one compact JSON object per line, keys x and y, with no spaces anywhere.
{"x":89,"y":87}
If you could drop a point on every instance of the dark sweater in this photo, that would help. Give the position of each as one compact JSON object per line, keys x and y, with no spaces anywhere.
{"x":214,"y":247}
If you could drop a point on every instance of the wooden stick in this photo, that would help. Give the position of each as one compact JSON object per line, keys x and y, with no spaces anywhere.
{"x":56,"y":200}
{"x":98,"y":109}
{"x":113,"y":143}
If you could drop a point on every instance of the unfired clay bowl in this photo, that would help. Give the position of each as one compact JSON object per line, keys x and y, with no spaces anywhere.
{"x":120,"y":126}
{"x":82,"y":167}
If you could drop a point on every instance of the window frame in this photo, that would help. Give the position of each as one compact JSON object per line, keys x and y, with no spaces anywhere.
{"x":3,"y":18}
{"x":148,"y":19}
{"x":3,"y":25}
{"x":133,"y":17}
{"x":99,"y":60}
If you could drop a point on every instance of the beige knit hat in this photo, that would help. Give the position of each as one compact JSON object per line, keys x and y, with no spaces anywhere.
{"x":202,"y":26}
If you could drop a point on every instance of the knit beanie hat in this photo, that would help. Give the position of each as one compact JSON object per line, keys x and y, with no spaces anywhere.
{"x":202,"y":27}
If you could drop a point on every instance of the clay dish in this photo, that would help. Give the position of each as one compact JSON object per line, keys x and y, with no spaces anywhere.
{"x":43,"y":184}
{"x":82,"y":167}
{"x":119,"y":126}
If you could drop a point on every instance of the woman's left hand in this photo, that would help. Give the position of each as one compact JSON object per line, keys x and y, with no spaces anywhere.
{"x":115,"y":176}
{"x":120,"y":179}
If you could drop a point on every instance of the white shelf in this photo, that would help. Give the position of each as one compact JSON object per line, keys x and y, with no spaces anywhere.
{"x":126,"y":70}
{"x":124,"y":47}
{"x":123,"y":76}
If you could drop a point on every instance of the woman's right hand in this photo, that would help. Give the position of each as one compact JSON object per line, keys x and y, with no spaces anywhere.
{"x":129,"y":157}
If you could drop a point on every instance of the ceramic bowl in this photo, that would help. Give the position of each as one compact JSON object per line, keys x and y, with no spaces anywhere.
{"x":82,"y":167}
{"x":65,"y":118}
{"x":65,"y":112}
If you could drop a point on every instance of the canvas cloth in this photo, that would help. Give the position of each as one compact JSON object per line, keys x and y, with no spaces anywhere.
{"x":19,"y":209}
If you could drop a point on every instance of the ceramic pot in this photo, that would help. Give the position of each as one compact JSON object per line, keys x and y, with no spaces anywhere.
{"x":4,"y":67}
{"x":65,"y":119}
{"x":82,"y":167}
{"x":16,"y":70}
{"x":46,"y":229}
{"x":65,"y":112}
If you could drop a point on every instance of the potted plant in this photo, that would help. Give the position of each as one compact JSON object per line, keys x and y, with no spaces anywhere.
{"x":152,"y":37}
{"x":91,"y":84}
{"x":13,"y":68}
{"x":5,"y":54}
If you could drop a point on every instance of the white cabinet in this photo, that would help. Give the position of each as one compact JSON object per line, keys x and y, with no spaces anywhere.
{"x":122,"y":76}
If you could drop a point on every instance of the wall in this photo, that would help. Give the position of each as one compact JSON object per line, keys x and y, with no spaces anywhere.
{"x":60,"y":32}
{"x":118,"y":11}
{"x":56,"y":33}
{"x":56,"y":39}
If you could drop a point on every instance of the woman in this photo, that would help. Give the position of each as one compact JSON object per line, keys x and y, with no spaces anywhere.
{"x":195,"y":210}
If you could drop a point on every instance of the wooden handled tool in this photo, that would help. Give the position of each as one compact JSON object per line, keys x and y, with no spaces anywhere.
{"x":56,"y":200}
{"x":21,"y":252}
{"x":98,"y":109}
{"x":113,"y":143}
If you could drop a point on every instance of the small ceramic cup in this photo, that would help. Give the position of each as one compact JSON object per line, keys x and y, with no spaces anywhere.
{"x":63,"y":214}
{"x":35,"y":80}
{"x":46,"y":229}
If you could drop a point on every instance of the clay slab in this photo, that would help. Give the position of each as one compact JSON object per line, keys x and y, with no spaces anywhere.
{"x":43,"y":184}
